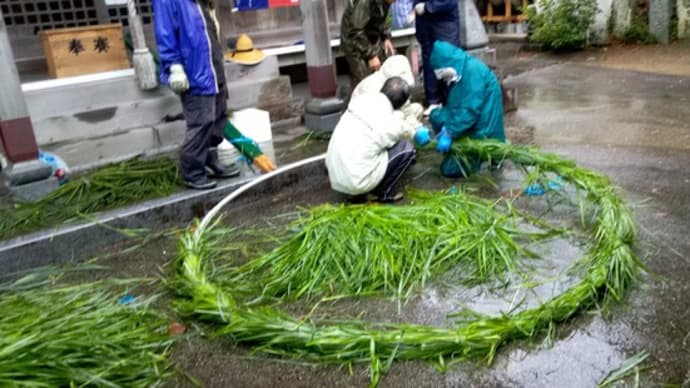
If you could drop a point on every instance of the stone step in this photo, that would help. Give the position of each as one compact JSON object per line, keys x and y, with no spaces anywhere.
{"x":273,"y":95}
{"x":88,"y":96}
{"x":282,"y":126}
{"x":288,"y":109}
{"x":254,"y":93}
{"x":103,"y":120}
{"x":123,"y":90}
{"x":268,"y":68}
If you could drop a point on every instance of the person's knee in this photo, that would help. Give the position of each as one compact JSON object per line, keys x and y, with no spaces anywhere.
{"x":408,"y":147}
{"x":460,"y":167}
{"x":408,"y":153}
{"x":199,"y":115}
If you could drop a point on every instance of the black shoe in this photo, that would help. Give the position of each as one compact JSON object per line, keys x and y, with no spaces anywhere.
{"x":356,"y":199}
{"x":219,"y":171}
{"x":202,"y":183}
{"x":389,"y":199}
{"x":216,"y":170}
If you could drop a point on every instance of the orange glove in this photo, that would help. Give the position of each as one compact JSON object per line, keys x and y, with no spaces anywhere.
{"x":264,"y":163}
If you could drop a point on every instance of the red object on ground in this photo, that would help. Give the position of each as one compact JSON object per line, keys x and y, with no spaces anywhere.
{"x":177,"y":328}
{"x":18,"y":140}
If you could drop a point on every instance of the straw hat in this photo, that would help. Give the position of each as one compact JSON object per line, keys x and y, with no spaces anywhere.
{"x":244,"y":52}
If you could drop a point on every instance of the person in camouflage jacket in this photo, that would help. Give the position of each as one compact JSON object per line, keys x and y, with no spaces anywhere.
{"x":365,"y":37}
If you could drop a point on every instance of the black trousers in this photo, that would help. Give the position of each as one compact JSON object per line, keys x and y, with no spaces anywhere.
{"x":206,"y":117}
{"x":427,"y":32}
{"x":400,"y":157}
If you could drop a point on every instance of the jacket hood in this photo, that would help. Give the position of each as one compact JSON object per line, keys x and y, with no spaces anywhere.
{"x":445,"y":54}
{"x":369,"y":106}
{"x":398,"y":66}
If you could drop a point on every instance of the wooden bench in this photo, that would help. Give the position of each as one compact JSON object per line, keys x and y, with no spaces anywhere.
{"x":508,"y":16}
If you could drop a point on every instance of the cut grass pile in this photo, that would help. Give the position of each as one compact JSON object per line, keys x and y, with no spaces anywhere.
{"x":80,"y":336}
{"x":609,"y":266}
{"x":387,"y":250}
{"x":113,"y":186}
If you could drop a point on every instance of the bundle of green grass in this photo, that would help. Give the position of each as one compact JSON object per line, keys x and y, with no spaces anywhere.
{"x":81,"y":335}
{"x":394,"y":250}
{"x":119,"y":184}
{"x":386,"y":250}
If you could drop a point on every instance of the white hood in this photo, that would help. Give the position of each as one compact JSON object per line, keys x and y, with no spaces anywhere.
{"x":395,"y":66}
{"x":398,"y":66}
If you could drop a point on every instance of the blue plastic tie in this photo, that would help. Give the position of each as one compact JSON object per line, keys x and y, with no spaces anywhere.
{"x":535,"y":189}
{"x":242,"y":139}
{"x":242,"y":159}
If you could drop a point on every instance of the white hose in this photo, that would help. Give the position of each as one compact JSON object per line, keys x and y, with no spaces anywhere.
{"x":213,"y":212}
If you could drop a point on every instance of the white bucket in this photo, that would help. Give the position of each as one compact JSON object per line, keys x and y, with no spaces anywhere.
{"x":254,"y":124}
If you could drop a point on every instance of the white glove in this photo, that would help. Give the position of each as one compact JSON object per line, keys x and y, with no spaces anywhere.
{"x":420,"y":8}
{"x":178,"y":79}
{"x":431,"y":108}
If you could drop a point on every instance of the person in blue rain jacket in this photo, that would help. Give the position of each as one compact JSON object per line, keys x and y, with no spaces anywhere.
{"x":474,"y":107}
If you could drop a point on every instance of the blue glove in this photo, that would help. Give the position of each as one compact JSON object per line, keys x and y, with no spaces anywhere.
{"x":536,"y":189}
{"x":443,"y":141}
{"x":422,"y":136}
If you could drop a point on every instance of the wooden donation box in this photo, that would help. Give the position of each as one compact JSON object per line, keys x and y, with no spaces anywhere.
{"x":84,"y":50}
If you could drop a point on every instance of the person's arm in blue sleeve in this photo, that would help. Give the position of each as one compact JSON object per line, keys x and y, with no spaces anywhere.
{"x":436,"y":6}
{"x":438,"y":119}
{"x":166,"y":27}
{"x":465,"y":104}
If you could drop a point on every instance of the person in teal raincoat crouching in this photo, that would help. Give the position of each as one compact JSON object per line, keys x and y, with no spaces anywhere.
{"x":474,"y":107}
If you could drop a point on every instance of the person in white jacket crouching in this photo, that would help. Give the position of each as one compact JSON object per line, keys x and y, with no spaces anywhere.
{"x":370,"y":147}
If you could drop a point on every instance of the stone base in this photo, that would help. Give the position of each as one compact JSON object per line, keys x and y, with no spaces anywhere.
{"x":324,"y":106}
{"x":288,"y":108}
{"x":472,"y":32}
{"x":321,"y":123}
{"x":660,"y":12}
{"x":26,"y":172}
{"x":34,"y":191}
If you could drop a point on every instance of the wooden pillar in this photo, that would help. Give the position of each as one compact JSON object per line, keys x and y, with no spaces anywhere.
{"x":16,"y":131}
{"x":317,"y":43}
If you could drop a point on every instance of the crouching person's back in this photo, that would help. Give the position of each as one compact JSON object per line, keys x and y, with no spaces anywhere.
{"x":369,"y":151}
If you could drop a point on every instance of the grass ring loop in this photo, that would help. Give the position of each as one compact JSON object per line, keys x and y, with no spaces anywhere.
{"x":612,"y":266}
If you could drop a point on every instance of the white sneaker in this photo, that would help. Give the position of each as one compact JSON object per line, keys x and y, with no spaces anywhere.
{"x":431,"y":107}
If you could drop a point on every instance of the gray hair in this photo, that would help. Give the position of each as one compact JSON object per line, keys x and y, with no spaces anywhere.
{"x":397,"y":91}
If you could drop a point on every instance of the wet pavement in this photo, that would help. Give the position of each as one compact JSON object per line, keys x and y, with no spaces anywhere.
{"x":633,"y":126}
